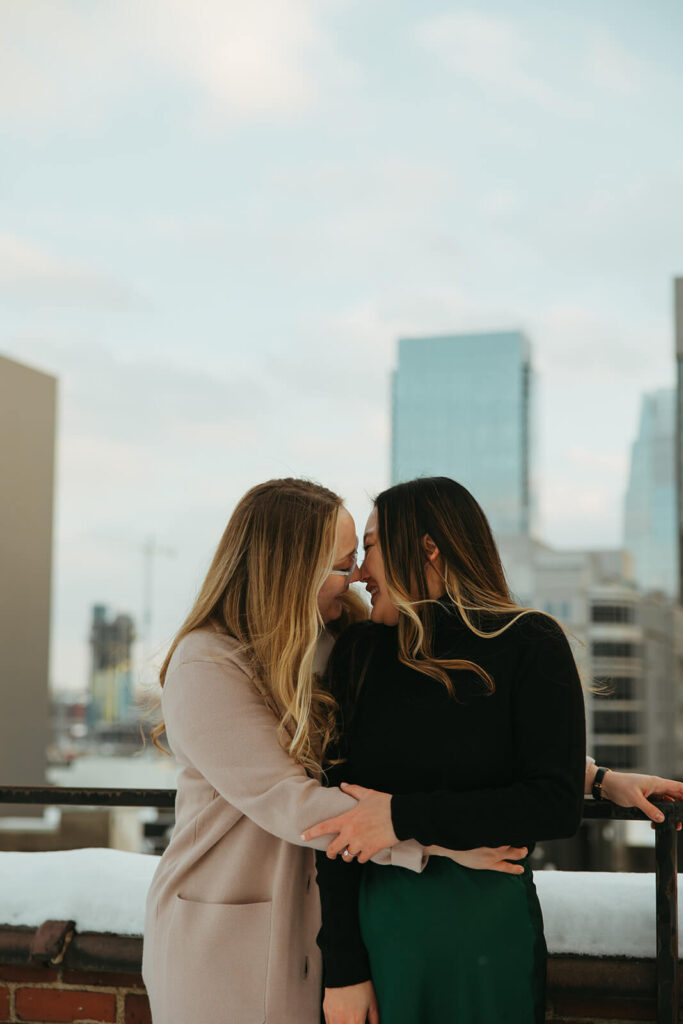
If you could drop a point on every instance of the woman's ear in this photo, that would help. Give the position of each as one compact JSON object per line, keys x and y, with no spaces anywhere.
{"x":430,"y":548}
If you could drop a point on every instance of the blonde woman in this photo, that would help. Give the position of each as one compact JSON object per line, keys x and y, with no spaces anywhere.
{"x":233,"y":909}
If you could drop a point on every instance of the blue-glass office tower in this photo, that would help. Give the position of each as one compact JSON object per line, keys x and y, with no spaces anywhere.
{"x":462,"y":407}
{"x":650,"y":532}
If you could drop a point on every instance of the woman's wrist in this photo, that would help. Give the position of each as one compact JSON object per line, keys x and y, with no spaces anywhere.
{"x":597,"y":788}
{"x":591,"y":770}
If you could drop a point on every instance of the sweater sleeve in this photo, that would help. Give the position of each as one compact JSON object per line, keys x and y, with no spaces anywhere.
{"x":218,"y":723}
{"x":345,"y":958}
{"x":545,"y":798}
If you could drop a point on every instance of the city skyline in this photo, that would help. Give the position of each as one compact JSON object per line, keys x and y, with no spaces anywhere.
{"x":216,"y":255}
{"x":142,"y":673}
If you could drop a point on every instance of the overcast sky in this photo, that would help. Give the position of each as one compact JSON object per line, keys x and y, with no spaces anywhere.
{"x":217,"y":218}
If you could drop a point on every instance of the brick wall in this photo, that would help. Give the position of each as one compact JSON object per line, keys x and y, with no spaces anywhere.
{"x":54,"y":975}
{"x":42,"y":994}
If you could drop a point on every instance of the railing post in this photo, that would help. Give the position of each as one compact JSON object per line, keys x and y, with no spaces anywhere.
{"x":666,"y":848}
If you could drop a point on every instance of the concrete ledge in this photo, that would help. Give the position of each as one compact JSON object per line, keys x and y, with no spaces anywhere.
{"x":87,"y":951}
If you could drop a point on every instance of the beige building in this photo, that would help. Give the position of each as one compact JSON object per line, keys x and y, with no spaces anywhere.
{"x":27,"y":442}
{"x":623,"y":639}
{"x":628,"y":646}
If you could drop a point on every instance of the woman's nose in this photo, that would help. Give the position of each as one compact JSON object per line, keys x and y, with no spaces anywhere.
{"x":363,"y":574}
{"x":355,"y":576}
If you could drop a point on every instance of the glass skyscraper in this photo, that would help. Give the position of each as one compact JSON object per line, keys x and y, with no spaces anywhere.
{"x":650,"y":532}
{"x":462,"y":408}
{"x":678,"y":330}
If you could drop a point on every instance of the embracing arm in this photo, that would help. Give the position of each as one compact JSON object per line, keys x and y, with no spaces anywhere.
{"x":220,"y":724}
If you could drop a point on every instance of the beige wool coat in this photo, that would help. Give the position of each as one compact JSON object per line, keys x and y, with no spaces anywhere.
{"x":233,"y":910}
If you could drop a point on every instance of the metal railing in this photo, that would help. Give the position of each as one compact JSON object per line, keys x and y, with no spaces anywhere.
{"x":666,"y":860}
{"x":666,"y":876}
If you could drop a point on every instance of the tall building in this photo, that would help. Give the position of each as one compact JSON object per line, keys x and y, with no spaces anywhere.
{"x":27,"y":441}
{"x":650,"y":531}
{"x":628,"y":647}
{"x":678,"y":328}
{"x":462,"y":407}
{"x":111,"y":697}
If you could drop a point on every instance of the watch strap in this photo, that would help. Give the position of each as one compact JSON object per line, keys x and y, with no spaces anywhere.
{"x":596,"y":788}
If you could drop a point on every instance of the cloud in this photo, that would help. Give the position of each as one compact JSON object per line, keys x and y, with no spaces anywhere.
{"x":492,"y":53}
{"x":249,"y":58}
{"x":612,"y":67}
{"x":32,"y":275}
{"x":243,"y":60}
{"x":582,"y":341}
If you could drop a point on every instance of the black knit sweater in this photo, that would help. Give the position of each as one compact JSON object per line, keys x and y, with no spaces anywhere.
{"x":481,"y":769}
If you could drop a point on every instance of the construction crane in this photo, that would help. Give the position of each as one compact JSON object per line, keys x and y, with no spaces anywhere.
{"x":151,"y":550}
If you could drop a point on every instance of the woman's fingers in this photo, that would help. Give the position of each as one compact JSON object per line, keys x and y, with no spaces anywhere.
{"x":330,"y":826}
{"x":666,"y":788}
{"x":503,"y":855}
{"x":514,"y":852}
{"x":508,"y":869}
{"x":357,"y":792}
{"x":336,"y":846}
{"x":652,"y":812}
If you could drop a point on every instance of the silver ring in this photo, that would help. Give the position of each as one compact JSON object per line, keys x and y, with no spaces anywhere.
{"x":346,"y":852}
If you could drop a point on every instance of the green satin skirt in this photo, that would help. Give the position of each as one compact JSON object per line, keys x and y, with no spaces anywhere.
{"x":453,"y":945}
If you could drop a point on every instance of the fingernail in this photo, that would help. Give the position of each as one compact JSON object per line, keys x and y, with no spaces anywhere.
{"x":660,"y":817}
{"x":303,"y":837}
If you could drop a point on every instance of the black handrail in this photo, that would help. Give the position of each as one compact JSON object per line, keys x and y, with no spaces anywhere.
{"x":666,"y":849}
{"x":666,"y":875}
{"x":87,"y":797}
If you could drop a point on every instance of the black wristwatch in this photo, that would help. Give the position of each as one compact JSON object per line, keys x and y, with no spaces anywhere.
{"x":596,"y":788}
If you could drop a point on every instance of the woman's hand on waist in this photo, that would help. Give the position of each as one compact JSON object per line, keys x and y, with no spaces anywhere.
{"x":352,"y":1004}
{"x":361,"y":832}
{"x":485,"y":858}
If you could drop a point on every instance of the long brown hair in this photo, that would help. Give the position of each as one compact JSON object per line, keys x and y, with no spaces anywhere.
{"x":473,"y":575}
{"x":262,"y":589}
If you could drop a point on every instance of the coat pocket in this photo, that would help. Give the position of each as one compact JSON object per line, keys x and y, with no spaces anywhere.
{"x":217,"y":962}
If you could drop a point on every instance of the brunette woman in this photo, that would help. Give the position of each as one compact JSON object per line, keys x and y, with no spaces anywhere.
{"x":469,"y":710}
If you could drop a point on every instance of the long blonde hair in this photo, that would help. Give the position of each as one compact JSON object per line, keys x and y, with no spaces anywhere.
{"x":262,"y":589}
{"x":473,"y":575}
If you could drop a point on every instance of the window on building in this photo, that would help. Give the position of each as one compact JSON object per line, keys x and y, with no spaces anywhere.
{"x":615,"y":649}
{"x":559,"y":609}
{"x":616,"y":688}
{"x":619,"y":758}
{"x":624,"y":722}
{"x":613,"y":613}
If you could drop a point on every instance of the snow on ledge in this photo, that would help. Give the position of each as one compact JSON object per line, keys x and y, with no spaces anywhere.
{"x":101,"y":890}
{"x":593,"y":913}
